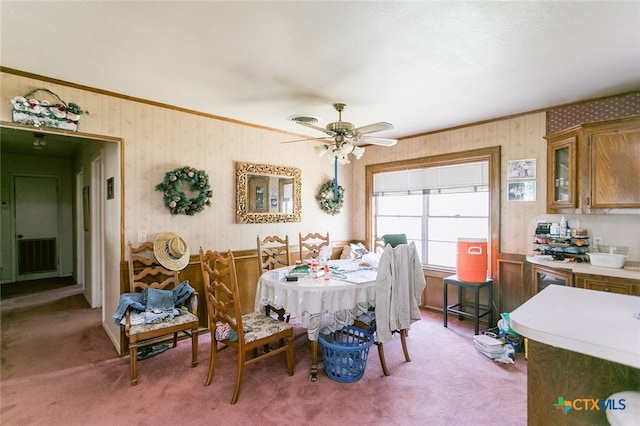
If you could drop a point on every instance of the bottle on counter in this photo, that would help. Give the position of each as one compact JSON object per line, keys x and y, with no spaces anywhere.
{"x":563,"y":228}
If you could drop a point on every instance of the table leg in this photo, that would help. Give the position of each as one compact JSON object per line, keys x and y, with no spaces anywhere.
{"x":313,"y":376}
{"x":312,"y":333}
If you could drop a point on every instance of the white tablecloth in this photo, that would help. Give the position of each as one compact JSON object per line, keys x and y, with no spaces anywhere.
{"x":315,"y":303}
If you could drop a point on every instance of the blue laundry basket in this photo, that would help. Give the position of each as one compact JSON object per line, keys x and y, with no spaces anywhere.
{"x":345,"y":353}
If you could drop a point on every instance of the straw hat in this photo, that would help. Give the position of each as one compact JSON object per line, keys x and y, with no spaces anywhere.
{"x":171,"y":251}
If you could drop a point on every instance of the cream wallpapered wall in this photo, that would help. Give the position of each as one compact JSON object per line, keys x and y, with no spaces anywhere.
{"x":521,"y":137}
{"x":156,"y":140}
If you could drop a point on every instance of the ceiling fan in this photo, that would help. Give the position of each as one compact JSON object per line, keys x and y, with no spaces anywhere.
{"x":343,"y":138}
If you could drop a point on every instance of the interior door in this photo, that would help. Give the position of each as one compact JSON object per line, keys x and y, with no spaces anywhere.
{"x":36,"y":219}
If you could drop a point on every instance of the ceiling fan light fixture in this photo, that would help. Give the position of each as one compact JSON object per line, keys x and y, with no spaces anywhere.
{"x":346,"y":138}
{"x":357,"y":152}
{"x":321,"y":150}
{"x":343,"y":159}
{"x":346,"y":148}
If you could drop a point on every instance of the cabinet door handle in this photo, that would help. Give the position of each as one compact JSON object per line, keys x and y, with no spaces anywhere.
{"x":607,"y":289}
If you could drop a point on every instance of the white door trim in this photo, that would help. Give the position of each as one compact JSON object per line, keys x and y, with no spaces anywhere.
{"x":80,"y":257}
{"x":97,"y":231}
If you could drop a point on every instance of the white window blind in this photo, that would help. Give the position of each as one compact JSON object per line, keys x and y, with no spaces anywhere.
{"x":468,"y":177}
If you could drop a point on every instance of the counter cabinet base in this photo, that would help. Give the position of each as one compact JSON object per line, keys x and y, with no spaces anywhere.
{"x":554,"y":372}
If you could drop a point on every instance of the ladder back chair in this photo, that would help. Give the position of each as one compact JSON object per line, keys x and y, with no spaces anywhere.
{"x":145,"y":272}
{"x":244,"y":333}
{"x":399,"y":287}
{"x":273,"y":253}
{"x":311,"y":244}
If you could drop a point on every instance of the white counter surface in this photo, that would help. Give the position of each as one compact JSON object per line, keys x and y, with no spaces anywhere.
{"x":590,"y":322}
{"x":585,"y":268}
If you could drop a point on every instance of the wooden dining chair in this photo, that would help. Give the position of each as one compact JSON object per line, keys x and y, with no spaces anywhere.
{"x":145,"y":272}
{"x":394,"y":239}
{"x":244,"y":333}
{"x":273,"y":253}
{"x":311,"y":244}
{"x":367,"y":322}
{"x":398,"y":297}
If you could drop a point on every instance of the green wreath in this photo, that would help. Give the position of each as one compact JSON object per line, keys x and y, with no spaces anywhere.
{"x":325,"y":198}
{"x":174,"y":197}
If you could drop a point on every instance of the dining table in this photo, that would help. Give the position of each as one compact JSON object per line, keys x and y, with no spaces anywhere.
{"x":319,"y":302}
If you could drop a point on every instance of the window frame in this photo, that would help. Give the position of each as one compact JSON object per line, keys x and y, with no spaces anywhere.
{"x":490,"y":154}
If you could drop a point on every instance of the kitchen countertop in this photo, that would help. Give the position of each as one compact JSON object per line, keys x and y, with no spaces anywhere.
{"x":585,"y":268}
{"x":585,"y":321}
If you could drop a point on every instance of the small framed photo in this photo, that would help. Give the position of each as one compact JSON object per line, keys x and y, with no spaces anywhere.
{"x":86,"y":208}
{"x":110,"y":188}
{"x":521,"y":169}
{"x":522,"y":191}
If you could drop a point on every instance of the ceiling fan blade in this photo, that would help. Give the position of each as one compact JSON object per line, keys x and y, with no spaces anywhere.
{"x":312,"y":126}
{"x":371,"y":128}
{"x":325,"y":140}
{"x":375,"y":141}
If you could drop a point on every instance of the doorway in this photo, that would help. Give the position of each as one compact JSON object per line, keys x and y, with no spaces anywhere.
{"x":37,"y":230}
{"x":56,"y":210}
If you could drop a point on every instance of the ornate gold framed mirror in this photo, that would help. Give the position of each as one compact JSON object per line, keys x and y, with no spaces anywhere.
{"x":268,"y":194}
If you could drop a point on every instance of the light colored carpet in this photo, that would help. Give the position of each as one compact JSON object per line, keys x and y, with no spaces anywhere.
{"x":58,"y":368}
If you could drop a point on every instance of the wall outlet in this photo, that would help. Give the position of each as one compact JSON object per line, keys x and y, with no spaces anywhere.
{"x":597,"y":241}
{"x":142,"y":236}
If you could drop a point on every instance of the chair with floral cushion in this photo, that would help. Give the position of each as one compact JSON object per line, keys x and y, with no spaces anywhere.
{"x":147,"y":275}
{"x":244,"y":333}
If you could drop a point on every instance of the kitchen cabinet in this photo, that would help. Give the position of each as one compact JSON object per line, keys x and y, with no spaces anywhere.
{"x":594,"y":168}
{"x":608,"y":284}
{"x":544,"y":276}
{"x":562,"y":172}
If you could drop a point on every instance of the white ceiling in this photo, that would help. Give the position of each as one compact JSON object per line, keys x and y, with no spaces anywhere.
{"x":422,"y":66}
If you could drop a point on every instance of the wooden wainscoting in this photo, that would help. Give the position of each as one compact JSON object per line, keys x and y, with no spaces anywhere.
{"x":511,"y":287}
{"x":433,"y":294}
{"x":512,"y":284}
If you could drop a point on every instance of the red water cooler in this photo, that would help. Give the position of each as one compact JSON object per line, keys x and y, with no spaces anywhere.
{"x":471,"y":261}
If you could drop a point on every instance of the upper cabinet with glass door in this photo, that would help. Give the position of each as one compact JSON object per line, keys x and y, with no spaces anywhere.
{"x":562,"y":173}
{"x":595,"y":168}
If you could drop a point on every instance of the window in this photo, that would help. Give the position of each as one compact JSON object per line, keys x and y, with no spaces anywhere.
{"x":435,"y":201}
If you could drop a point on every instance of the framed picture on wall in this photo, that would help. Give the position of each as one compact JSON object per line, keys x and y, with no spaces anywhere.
{"x":110,"y":188}
{"x":521,"y":169}
{"x":522,"y":191}
{"x":86,"y":208}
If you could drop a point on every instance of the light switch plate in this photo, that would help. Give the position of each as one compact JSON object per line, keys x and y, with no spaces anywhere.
{"x":142,"y":236}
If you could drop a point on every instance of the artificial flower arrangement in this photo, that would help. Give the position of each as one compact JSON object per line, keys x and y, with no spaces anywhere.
{"x":43,"y":113}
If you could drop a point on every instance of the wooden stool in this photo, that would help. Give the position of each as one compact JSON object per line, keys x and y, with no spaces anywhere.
{"x":459,"y":308}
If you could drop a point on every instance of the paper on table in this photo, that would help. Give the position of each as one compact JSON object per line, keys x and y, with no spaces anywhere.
{"x":361,"y":276}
